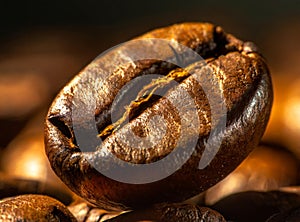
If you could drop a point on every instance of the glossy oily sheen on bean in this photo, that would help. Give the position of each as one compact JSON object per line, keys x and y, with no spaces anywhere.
{"x":236,"y":69}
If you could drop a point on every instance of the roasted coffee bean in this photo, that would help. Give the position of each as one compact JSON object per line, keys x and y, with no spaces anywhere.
{"x":230,"y":68}
{"x":25,"y":166}
{"x":171,"y":213}
{"x":86,"y":212}
{"x":256,"y":206}
{"x":34,"y":208}
{"x":12,"y":186}
{"x":290,"y":216}
{"x":262,"y":170}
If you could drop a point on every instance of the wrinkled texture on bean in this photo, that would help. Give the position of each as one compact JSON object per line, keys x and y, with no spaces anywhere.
{"x":243,"y":78}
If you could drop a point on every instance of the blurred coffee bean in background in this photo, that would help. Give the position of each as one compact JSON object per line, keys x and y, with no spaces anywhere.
{"x":266,"y":168}
{"x":290,"y":216}
{"x":25,"y":167}
{"x":284,"y":49}
{"x":21,"y":93}
{"x":33,"y":66}
{"x":256,"y":206}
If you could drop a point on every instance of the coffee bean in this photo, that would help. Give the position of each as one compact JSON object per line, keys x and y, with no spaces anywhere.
{"x":261,"y":171}
{"x":12,"y":186}
{"x":85,"y":212}
{"x":172,"y":213}
{"x":256,"y":206}
{"x":214,"y":109}
{"x":25,"y":166}
{"x":34,"y":208}
{"x":291,"y":216}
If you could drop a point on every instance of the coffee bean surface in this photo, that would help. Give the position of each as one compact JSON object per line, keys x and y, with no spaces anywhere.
{"x":231,"y":76}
